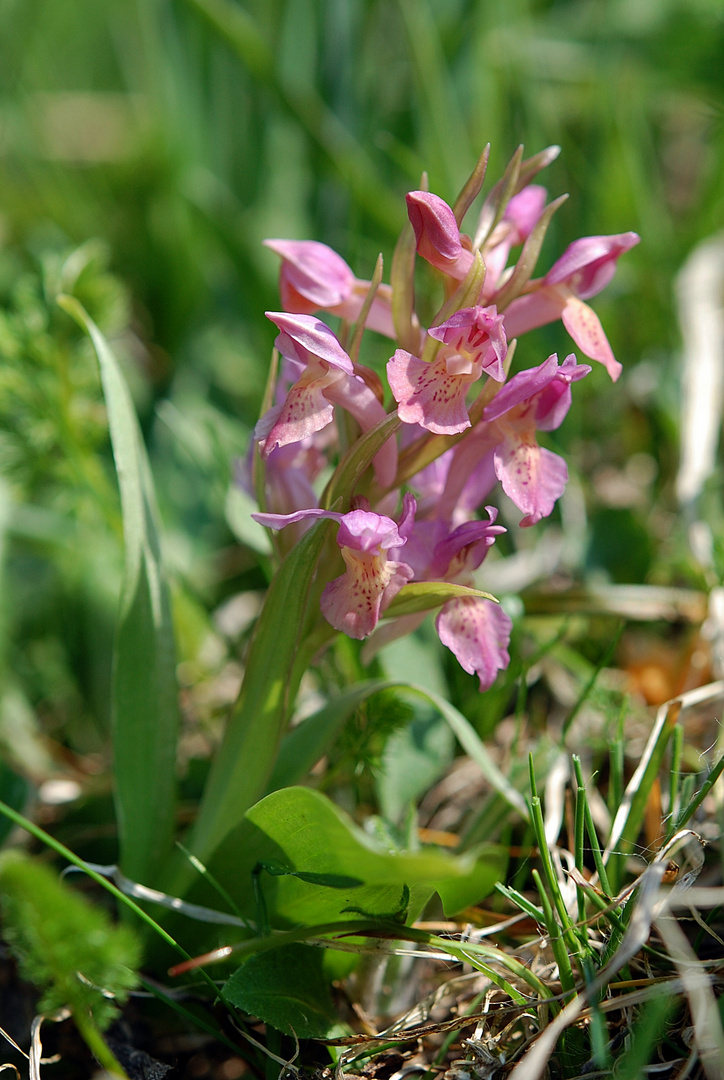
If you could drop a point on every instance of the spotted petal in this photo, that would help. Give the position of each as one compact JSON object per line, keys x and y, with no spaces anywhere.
{"x":531,"y":476}
{"x":477,"y":631}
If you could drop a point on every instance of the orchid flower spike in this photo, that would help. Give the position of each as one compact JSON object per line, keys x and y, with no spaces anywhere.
{"x":313,"y":278}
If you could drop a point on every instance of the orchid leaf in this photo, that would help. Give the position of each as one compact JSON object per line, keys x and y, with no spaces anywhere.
{"x":246,"y":756}
{"x":288,"y":989}
{"x":145,"y":706}
{"x":302,"y":830}
{"x":426,"y":595}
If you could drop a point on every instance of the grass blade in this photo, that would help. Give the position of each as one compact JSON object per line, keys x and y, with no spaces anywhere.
{"x":145,"y":705}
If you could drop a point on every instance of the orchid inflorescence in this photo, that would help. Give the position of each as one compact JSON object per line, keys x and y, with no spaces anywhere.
{"x":409,"y":481}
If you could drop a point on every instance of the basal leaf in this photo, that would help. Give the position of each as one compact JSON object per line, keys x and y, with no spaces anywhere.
{"x":286,"y":988}
{"x":145,"y":706}
{"x":244,"y":760}
{"x":301,"y":829}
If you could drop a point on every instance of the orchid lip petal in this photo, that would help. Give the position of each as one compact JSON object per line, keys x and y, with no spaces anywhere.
{"x":477,"y":631}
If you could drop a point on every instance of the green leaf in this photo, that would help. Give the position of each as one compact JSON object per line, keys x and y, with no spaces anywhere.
{"x":286,"y":988}
{"x":145,"y":703}
{"x":243,"y":763}
{"x":425,"y":595}
{"x":300,"y":829}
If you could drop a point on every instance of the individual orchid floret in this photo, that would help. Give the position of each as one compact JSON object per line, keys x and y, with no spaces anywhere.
{"x":476,"y":630}
{"x":437,"y":236}
{"x":325,"y":378}
{"x":533,"y":477}
{"x":433,"y":394}
{"x":313,"y":278}
{"x":584,"y":269}
{"x":537,"y":399}
{"x":354,"y":601}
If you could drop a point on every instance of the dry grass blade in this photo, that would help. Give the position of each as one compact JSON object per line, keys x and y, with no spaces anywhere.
{"x":708,"y":1033}
{"x":667,"y":715}
{"x":534,"y":1063}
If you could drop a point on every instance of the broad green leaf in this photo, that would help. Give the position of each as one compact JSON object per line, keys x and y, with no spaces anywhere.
{"x":145,"y":705}
{"x":300,"y":829}
{"x":288,"y":989}
{"x":244,"y":761}
{"x":425,"y":595}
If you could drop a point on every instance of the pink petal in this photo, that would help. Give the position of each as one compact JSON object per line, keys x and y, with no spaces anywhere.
{"x":365,"y":531}
{"x":304,"y":411}
{"x":304,"y":337}
{"x":523,"y":211}
{"x":437,"y":234}
{"x":538,"y":308}
{"x":587,"y":265}
{"x":522,"y":387}
{"x":464,"y":549}
{"x":585,"y":328}
{"x":477,"y":631}
{"x":427,"y":395}
{"x":312,"y":276}
{"x":553,"y":402}
{"x":353,"y":602}
{"x":532,"y":477}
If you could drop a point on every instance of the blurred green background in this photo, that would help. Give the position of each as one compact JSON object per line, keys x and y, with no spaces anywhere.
{"x":162,"y":140}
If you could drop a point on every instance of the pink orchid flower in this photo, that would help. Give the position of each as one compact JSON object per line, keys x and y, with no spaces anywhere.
{"x":313,"y":278}
{"x":354,"y":601}
{"x":437,"y":236}
{"x":532,"y":477}
{"x":325,"y":378}
{"x":584,"y":269}
{"x":433,"y":394}
{"x":476,"y":630}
